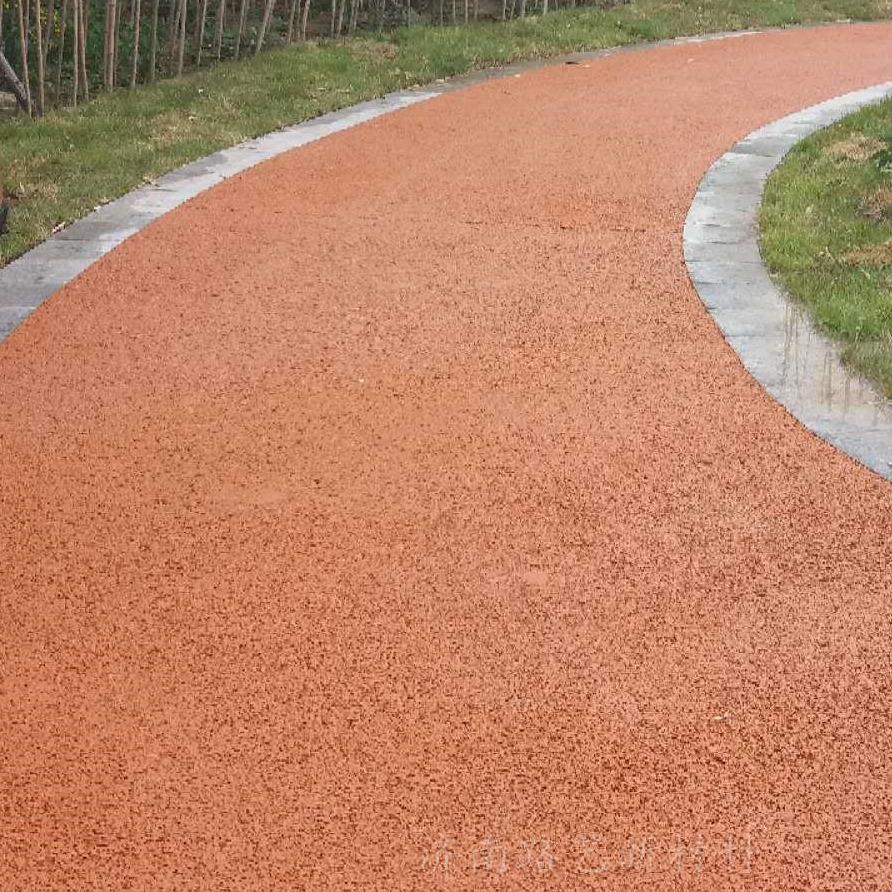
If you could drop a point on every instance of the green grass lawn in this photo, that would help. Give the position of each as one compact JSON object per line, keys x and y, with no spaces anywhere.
{"x":827,"y":234}
{"x":60,"y":167}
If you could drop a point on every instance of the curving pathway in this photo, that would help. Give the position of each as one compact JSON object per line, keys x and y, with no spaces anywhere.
{"x":393,"y":516}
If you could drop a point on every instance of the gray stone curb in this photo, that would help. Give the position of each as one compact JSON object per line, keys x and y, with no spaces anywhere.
{"x":774,"y":338}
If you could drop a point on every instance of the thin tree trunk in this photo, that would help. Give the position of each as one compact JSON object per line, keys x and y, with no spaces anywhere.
{"x":75,"y":49}
{"x":243,"y":13}
{"x":134,"y":62}
{"x":41,"y":71}
{"x":202,"y":17}
{"x":61,"y":53}
{"x":153,"y":42}
{"x":23,"y":47}
{"x":106,"y":44}
{"x":334,"y":16}
{"x":453,"y":13}
{"x":84,"y":23}
{"x":304,"y":16}
{"x":341,"y":17}
{"x":264,"y":24}
{"x":544,"y":7}
{"x":523,"y":8}
{"x":48,"y":30}
{"x":219,"y":21}
{"x":112,"y":24}
{"x":116,"y":43}
{"x":111,"y":31}
{"x":181,"y":49}
{"x":292,"y":12}
{"x":173,"y":29}
{"x":354,"y":14}
{"x":476,"y":9}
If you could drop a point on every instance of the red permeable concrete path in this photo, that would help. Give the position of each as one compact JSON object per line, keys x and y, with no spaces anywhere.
{"x":394,"y":517}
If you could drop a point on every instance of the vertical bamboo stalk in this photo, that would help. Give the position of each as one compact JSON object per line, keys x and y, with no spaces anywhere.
{"x":84,"y":21}
{"x":116,"y":43}
{"x":181,"y":48}
{"x":24,"y":22}
{"x":61,"y":50}
{"x":75,"y":50}
{"x":153,"y":42}
{"x":199,"y":38}
{"x":105,"y":46}
{"x":41,"y":71}
{"x":134,"y":59}
{"x":173,"y":29}
{"x":292,"y":12}
{"x":219,"y":21}
{"x":48,"y":30}
{"x":304,"y":16}
{"x":264,"y":24}
{"x":110,"y":35}
{"x":243,"y":13}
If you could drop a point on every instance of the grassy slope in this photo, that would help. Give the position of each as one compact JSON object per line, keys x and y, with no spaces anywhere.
{"x":824,"y":206}
{"x":62,"y":166}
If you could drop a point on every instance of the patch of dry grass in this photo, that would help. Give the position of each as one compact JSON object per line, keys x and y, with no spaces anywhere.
{"x":872,"y":255}
{"x":878,"y":206}
{"x":857,"y":147}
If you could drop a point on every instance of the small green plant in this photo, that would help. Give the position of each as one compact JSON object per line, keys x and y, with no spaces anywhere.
{"x":883,"y":159}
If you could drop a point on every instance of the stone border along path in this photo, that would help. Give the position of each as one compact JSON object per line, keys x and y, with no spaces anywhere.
{"x":775,"y":338}
{"x":30,"y":279}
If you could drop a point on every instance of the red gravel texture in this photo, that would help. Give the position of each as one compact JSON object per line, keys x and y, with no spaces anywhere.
{"x":394,"y":517}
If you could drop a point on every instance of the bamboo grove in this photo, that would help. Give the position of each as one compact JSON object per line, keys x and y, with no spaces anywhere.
{"x":64,"y":51}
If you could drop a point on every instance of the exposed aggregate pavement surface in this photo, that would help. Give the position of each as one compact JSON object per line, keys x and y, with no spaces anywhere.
{"x":393,"y":516}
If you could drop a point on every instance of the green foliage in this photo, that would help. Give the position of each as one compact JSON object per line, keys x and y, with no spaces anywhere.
{"x":883,"y":159}
{"x":827,"y":233}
